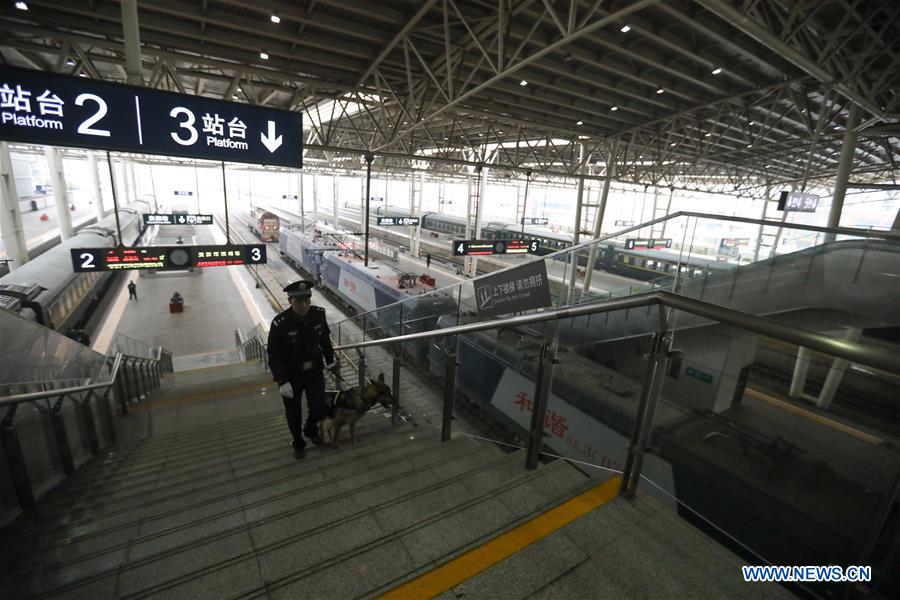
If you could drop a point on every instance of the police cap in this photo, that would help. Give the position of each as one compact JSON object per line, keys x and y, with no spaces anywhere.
{"x":300,"y":289}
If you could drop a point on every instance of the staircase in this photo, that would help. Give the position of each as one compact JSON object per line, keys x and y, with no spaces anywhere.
{"x":205,"y":500}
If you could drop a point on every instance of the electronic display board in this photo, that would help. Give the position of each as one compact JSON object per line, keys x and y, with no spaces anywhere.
{"x":390,"y":221}
{"x":535,"y":221}
{"x":166,"y":258}
{"x":177,"y":219}
{"x":45,"y":108}
{"x":647,"y":244}
{"x":485,"y":247}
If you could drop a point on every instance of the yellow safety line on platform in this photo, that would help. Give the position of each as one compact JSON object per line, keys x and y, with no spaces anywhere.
{"x":215,"y":393}
{"x":500,"y":548}
{"x":862,"y":435}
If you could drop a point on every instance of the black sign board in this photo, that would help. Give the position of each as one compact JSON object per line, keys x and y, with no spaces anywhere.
{"x":177,"y":219}
{"x":166,"y":258}
{"x":535,"y":221}
{"x":485,"y":247}
{"x":376,"y":199}
{"x":45,"y":108}
{"x":513,"y":290}
{"x":389,"y":221}
{"x":647,"y":244}
{"x":183,"y":193}
{"x":620,"y":223}
{"x":290,"y":197}
{"x":797,"y":202}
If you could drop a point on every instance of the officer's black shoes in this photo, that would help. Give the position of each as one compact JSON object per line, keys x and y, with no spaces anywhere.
{"x":317,"y":440}
{"x":299,"y":453}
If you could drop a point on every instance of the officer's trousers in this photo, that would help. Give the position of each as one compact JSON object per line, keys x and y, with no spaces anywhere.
{"x":313,"y":383}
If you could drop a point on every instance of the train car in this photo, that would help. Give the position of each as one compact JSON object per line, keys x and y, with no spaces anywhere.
{"x":47,"y":291}
{"x":264,"y":224}
{"x":394,"y":302}
{"x":304,"y":249}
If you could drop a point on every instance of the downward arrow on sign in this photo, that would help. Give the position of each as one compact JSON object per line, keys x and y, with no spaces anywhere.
{"x":270,"y":141}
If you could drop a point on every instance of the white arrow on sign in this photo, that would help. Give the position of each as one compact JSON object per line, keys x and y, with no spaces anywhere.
{"x":271,"y":142}
{"x":181,"y":219}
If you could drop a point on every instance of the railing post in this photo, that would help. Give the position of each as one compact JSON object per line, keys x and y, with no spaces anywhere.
{"x":15,"y":460}
{"x":89,"y":425}
{"x":643,"y":420}
{"x":541,"y":400}
{"x":127,"y":384}
{"x":362,"y":368}
{"x":395,"y":386}
{"x":449,"y":390}
{"x":57,"y":420}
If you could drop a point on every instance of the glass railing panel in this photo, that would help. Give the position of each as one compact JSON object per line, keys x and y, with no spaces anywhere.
{"x":8,"y":499}
{"x":97,"y":413}
{"x":132,"y":347}
{"x":38,"y":444}
{"x":777,"y":479}
{"x":31,"y":352}
{"x":76,"y":429}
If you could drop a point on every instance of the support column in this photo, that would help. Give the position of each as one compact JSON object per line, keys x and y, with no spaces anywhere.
{"x":801,"y":368}
{"x":836,"y":373}
{"x":315,"y":195}
{"x":601,"y":211}
{"x":848,"y":148}
{"x":134,"y":186}
{"x":759,"y":233}
{"x":60,"y":192}
{"x":413,"y":231}
{"x":132,"y":38}
{"x":369,"y":159}
{"x":480,"y":188}
{"x":10,"y":216}
{"x":95,"y":186}
{"x":577,"y":237}
{"x":334,"y":181}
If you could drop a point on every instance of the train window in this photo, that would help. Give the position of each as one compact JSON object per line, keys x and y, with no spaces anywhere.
{"x":683,"y":268}
{"x":625,"y":259}
{"x":698,"y":272}
{"x":650,"y":264}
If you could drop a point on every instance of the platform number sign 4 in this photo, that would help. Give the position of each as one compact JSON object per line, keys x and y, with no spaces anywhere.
{"x":461,"y":249}
{"x":39,"y":107}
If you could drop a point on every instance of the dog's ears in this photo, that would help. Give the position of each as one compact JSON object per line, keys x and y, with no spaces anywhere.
{"x":381,"y":378}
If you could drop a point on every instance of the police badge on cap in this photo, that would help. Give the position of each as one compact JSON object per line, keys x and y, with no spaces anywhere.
{"x":300,"y":289}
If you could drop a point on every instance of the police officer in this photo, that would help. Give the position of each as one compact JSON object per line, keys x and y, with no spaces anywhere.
{"x":299,"y":347}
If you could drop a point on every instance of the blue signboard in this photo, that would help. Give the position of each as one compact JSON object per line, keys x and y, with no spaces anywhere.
{"x":45,"y":108}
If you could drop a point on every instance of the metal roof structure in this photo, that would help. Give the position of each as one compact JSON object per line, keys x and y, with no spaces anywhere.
{"x":718,"y":95}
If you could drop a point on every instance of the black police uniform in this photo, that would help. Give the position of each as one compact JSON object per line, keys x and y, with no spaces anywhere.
{"x":296,"y":348}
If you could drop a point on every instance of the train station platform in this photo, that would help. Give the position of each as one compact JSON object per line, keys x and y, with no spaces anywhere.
{"x":203,"y":499}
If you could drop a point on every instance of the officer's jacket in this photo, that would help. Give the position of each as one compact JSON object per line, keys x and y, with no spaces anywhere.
{"x":295,"y":342}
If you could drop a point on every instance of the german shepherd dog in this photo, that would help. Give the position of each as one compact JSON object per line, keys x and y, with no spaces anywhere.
{"x":348,"y":406}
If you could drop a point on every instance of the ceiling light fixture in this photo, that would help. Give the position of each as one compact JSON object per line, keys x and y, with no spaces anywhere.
{"x":660,"y":91}
{"x":717,"y":70}
{"x":71,"y":62}
{"x":749,"y":145}
{"x":275,"y":19}
{"x":625,"y":29}
{"x":523,"y":82}
{"x":707,"y":135}
{"x":580,"y":123}
{"x":672,"y":144}
{"x":21,"y":6}
{"x":264,"y":56}
{"x":614,"y":108}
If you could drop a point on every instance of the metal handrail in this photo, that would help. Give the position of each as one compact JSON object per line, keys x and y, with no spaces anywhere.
{"x":852,"y":351}
{"x":69,"y":390}
{"x":566,"y":252}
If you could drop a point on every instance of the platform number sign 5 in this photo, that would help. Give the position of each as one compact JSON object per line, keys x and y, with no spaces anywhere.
{"x":534,"y":245}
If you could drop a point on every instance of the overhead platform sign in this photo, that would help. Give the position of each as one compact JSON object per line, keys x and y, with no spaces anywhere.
{"x":535,"y":221}
{"x":44,"y":108}
{"x":391,"y":221}
{"x":485,"y":247}
{"x":177,"y":219}
{"x":166,"y":258}
{"x":647,"y":244}
{"x":797,"y":202}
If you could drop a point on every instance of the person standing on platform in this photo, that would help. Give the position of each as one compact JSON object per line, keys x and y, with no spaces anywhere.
{"x":132,"y":291}
{"x":428,"y":261}
{"x":299,"y":348}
